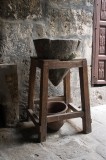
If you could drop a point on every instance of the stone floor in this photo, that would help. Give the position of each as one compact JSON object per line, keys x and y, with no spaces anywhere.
{"x":66,"y":144}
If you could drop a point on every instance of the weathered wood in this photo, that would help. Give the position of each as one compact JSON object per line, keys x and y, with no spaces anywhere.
{"x":32,"y":76}
{"x":33,"y":117}
{"x":9,"y":98}
{"x":85,"y":97}
{"x":67,"y":88}
{"x":43,"y":101}
{"x":65,"y":64}
{"x":58,"y":117}
{"x":84,"y":112}
{"x":99,"y":43}
{"x":56,"y":64}
{"x":73,"y":107}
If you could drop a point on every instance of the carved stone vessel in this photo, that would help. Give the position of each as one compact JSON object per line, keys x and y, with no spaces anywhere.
{"x":56,"y":49}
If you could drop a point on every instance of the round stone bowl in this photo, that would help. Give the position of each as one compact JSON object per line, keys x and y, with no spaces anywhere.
{"x":61,"y":49}
{"x":56,"y":108}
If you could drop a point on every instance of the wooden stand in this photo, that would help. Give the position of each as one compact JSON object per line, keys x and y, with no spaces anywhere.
{"x":42,"y":120}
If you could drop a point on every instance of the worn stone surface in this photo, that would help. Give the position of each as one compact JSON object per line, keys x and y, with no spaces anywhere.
{"x":61,"y":49}
{"x":39,"y":30}
{"x":68,"y":18}
{"x":66,"y":144}
{"x":11,"y":9}
{"x":57,"y":49}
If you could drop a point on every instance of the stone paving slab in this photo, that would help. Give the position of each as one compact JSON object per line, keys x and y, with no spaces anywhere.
{"x":67,"y":144}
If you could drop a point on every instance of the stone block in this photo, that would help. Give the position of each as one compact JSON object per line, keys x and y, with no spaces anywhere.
{"x":59,"y":3}
{"x":67,"y":22}
{"x":52,"y":22}
{"x":69,"y":4}
{"x":15,"y":41}
{"x":20,"y":9}
{"x":39,"y":30}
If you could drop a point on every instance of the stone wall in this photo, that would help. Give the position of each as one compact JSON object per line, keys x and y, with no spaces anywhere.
{"x":22,"y":21}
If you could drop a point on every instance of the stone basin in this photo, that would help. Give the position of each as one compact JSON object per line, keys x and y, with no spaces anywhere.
{"x":61,"y":49}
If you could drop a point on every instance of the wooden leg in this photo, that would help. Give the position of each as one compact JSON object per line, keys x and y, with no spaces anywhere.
{"x":86,"y":120}
{"x":32,"y":75}
{"x":67,"y":88}
{"x":43,"y":103}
